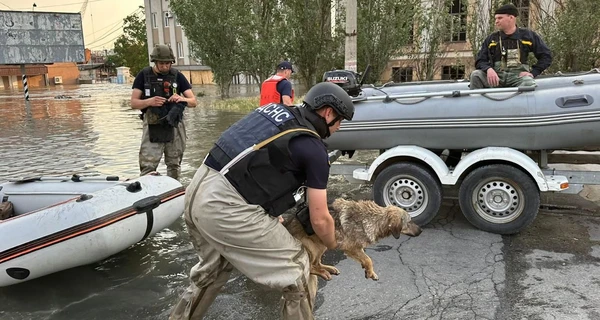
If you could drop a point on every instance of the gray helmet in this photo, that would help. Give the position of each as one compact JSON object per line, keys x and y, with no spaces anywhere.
{"x":327,"y":94}
{"x":162,"y":52}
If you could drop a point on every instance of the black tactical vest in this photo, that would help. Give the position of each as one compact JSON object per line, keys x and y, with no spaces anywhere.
{"x":263,"y":176}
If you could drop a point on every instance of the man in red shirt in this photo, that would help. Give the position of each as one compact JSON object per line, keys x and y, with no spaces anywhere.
{"x":278,"y":88}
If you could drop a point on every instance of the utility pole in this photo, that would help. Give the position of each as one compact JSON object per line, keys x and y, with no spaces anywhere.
{"x":350,"y":56}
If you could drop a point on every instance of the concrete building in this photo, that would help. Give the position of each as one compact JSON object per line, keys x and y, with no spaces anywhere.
{"x":456,"y":60}
{"x":162,"y":27}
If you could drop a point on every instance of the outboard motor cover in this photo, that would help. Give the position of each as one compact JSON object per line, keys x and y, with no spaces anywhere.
{"x":346,"y":79}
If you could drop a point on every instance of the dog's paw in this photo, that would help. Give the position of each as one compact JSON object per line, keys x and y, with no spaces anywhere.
{"x":371,"y":275}
{"x":331,"y":269}
{"x":321,"y":273}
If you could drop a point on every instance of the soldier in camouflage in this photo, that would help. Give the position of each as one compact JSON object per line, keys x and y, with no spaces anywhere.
{"x":162,"y":93}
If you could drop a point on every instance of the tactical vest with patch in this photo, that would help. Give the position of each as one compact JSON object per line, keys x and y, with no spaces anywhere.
{"x":263,"y":175}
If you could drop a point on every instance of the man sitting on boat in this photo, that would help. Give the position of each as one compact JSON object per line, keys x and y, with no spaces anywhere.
{"x":502,"y":59}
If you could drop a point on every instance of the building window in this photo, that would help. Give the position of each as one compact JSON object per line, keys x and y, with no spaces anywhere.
{"x":167,"y":17}
{"x":402,"y":74}
{"x":458,"y":21}
{"x":179,"y":50}
{"x":523,"y":7}
{"x":453,"y":72}
{"x":177,"y":23}
{"x":154,"y":25}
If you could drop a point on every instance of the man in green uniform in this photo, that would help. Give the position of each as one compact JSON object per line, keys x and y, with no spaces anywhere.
{"x":162,"y":93}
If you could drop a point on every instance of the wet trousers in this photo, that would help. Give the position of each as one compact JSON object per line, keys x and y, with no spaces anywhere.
{"x":152,"y":152}
{"x":508,"y":78}
{"x":229,"y":233}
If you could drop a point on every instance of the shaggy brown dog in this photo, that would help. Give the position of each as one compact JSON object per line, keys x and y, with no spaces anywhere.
{"x":358,"y":224}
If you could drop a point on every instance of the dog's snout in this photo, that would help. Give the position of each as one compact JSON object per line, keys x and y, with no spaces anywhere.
{"x":412,"y":229}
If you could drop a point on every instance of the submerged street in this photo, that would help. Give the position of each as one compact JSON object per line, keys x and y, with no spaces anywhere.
{"x":452,"y":270}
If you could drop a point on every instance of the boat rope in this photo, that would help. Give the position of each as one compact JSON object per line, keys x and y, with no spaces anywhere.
{"x":500,"y":99}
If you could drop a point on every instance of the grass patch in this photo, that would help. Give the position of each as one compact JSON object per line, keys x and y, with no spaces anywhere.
{"x":240,"y":104}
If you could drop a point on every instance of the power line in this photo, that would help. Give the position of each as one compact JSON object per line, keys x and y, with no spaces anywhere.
{"x":101,"y":45}
{"x":104,"y":36}
{"x":61,"y":5}
{"x":6,"y":6}
{"x":118,"y":22}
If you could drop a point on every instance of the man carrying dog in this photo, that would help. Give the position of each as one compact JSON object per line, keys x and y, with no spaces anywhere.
{"x":246,"y":182}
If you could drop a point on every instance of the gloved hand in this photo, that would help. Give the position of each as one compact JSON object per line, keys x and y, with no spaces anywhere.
{"x":175,"y":115}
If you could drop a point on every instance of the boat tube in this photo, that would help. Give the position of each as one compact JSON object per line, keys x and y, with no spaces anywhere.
{"x":561,"y":112}
{"x":61,"y":223}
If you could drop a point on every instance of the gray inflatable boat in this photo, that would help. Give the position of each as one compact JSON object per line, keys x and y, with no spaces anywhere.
{"x":562,"y":112}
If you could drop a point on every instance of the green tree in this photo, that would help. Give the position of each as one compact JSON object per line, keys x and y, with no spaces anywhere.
{"x":384,"y":27}
{"x":311,"y":42}
{"x":262,"y":39}
{"x":480,"y":23}
{"x":131,"y":48}
{"x":213,"y":28}
{"x":570,"y":29}
{"x":432,"y":23}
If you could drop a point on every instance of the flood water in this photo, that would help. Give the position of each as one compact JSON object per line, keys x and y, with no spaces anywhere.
{"x":96,"y":132}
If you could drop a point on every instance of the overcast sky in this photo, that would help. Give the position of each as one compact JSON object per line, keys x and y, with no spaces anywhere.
{"x":107,"y":16}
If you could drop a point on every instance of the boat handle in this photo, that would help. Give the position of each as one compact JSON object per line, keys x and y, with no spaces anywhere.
{"x":575,"y":101}
{"x":146,"y":204}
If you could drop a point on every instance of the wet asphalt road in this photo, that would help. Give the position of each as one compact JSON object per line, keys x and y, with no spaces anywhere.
{"x":454,"y":271}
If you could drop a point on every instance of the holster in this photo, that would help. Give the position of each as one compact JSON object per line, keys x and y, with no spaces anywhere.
{"x":303,"y":216}
{"x":161,"y":133}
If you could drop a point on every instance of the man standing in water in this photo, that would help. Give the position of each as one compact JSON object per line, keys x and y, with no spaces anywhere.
{"x":162,"y":93}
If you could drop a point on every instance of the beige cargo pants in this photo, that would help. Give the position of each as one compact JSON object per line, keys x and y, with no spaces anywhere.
{"x":228,"y":233}
{"x":152,"y":152}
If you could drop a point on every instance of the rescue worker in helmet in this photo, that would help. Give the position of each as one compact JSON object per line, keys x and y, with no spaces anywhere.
{"x":245,"y":183}
{"x":162,"y":93}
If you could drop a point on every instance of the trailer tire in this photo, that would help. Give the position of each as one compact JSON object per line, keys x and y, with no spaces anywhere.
{"x":411,"y":187}
{"x":499,"y":198}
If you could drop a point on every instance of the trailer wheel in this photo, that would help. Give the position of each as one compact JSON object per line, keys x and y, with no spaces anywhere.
{"x":411,"y":187}
{"x":499,"y":199}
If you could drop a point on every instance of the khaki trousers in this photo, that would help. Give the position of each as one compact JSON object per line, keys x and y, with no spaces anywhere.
{"x":229,"y":233}
{"x":152,"y":152}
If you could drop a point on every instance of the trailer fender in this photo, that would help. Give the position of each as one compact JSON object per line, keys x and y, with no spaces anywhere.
{"x":416,"y":152}
{"x":518,"y":158}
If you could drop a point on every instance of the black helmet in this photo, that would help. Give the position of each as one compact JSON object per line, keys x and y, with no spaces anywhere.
{"x":327,"y":94}
{"x":162,"y":52}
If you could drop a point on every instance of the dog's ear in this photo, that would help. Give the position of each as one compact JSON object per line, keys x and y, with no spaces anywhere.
{"x":394,"y":221}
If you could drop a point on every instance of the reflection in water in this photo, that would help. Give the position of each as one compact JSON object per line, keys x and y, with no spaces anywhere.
{"x":101,"y":135}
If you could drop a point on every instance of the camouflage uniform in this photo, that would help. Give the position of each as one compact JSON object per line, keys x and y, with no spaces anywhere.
{"x":508,"y":56}
{"x":508,"y":78}
{"x":152,"y":152}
